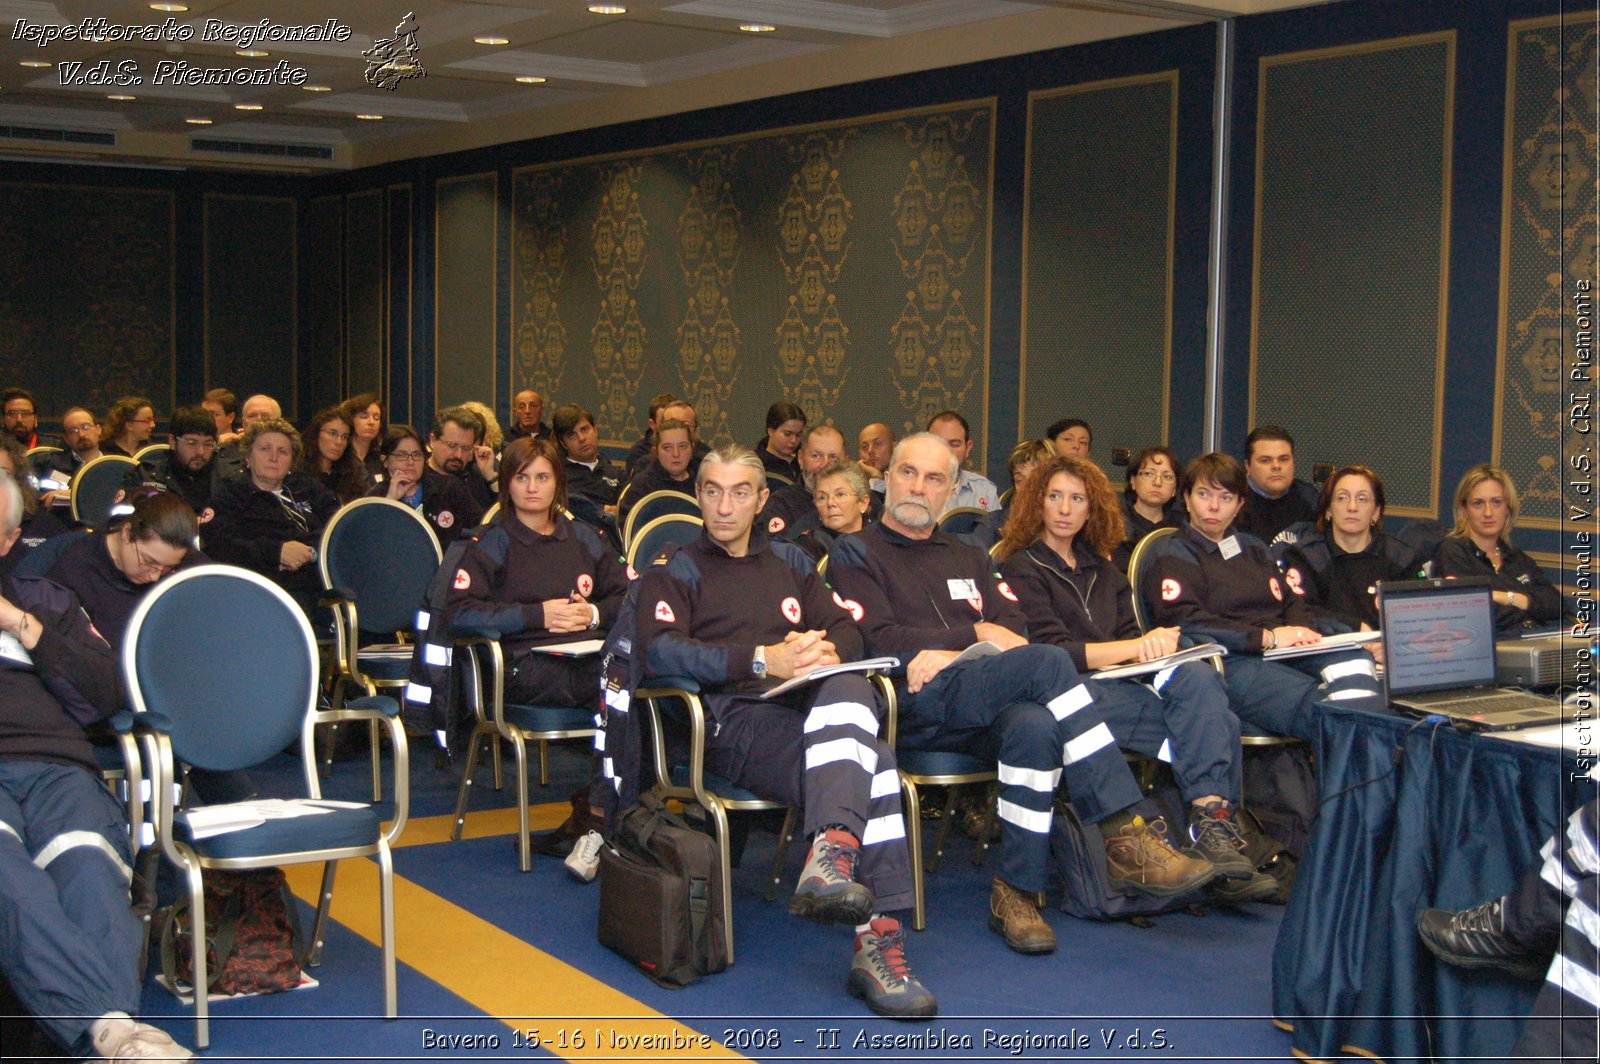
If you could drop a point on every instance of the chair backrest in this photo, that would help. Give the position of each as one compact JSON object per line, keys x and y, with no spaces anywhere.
{"x":94,"y":489}
{"x":228,"y":658}
{"x":144,"y":454}
{"x":384,"y":554}
{"x":961,"y":520}
{"x":665,"y":531}
{"x":43,"y":450}
{"x":779,"y":479}
{"x":1136,"y":563}
{"x":491,"y":513}
{"x":37,"y":562}
{"x":655,"y":504}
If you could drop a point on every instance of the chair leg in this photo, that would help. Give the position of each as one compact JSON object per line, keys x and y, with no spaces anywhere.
{"x":944,"y":828}
{"x":197,"y":951}
{"x":719,"y":820}
{"x":913,"y":817}
{"x":499,"y":776}
{"x":320,"y":921}
{"x":466,"y":782}
{"x":524,"y":848}
{"x":785,"y":836}
{"x":377,"y":761}
{"x":991,"y":810}
{"x":386,"y":910}
{"x":544,"y":763}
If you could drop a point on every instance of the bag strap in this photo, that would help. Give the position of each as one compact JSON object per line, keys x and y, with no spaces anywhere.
{"x":221,"y":945}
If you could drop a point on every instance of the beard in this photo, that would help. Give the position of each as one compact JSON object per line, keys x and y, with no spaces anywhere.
{"x":913,"y":513}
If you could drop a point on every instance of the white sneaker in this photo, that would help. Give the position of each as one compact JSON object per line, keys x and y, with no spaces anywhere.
{"x":124,"y":1040}
{"x":584,"y":860}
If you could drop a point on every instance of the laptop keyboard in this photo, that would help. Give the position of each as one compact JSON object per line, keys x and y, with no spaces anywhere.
{"x":1497,"y":703}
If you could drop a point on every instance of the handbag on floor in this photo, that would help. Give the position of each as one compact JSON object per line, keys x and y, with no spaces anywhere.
{"x":661,"y":896}
{"x":1078,"y":859}
{"x":252,"y":935}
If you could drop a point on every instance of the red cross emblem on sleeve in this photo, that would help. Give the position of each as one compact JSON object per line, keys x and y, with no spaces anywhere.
{"x":585,"y":584}
{"x":1170,"y":590}
{"x":664,"y":613}
{"x":791,"y":610}
{"x":463,"y":580}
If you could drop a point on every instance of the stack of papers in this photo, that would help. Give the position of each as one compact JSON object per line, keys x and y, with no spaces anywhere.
{"x":211,"y":820}
{"x":1329,"y":644}
{"x":1143,"y":668}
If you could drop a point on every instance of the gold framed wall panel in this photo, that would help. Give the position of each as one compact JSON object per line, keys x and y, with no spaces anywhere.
{"x":1422,"y":500}
{"x":1105,"y":431}
{"x":1547,"y":243}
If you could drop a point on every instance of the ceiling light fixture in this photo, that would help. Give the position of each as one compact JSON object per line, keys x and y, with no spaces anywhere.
{"x":757,"y":27}
{"x":121,"y":96}
{"x":38,"y":63}
{"x":198,"y":121}
{"x":607,"y":9}
{"x":490,"y":40}
{"x":247,"y":107}
{"x":532,"y":79}
{"x":371,"y":118}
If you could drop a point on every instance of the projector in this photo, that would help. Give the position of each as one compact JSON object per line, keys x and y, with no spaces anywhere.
{"x":1544,"y":661}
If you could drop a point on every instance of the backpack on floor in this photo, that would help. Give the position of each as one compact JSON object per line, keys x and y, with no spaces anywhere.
{"x":661,"y":896}
{"x":252,"y":935}
{"x":1078,"y":860}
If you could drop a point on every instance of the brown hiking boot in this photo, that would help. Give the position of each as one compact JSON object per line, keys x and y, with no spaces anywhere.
{"x":1014,"y":915}
{"x":1139,"y":858}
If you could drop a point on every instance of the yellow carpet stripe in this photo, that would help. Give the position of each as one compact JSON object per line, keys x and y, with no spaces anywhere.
{"x":501,"y":974}
{"x":481,"y":823}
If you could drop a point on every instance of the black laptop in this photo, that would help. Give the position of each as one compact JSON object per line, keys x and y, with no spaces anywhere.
{"x":1438,"y":656}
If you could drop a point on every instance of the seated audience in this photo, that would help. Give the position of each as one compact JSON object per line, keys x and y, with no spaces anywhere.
{"x":329,"y":456}
{"x":70,"y":942}
{"x":642,"y":448}
{"x":1070,"y":437}
{"x":844,"y":504}
{"x":588,"y":472}
{"x":785,"y":422}
{"x":441,"y":499}
{"x":735,"y":612}
{"x":1276,"y":500}
{"x":1150,"y":501}
{"x":924,"y":598}
{"x":1338,"y":566}
{"x":36,"y":523}
{"x":22,"y":419}
{"x":667,"y":470}
{"x":538,"y":578}
{"x":527,"y":416}
{"x":189,"y":467}
{"x":368,"y":425}
{"x":1486,"y":509}
{"x":873,"y":446}
{"x":456,"y":449}
{"x":1066,"y":520}
{"x":129,"y":424}
{"x":792,"y":508}
{"x":494,"y":437}
{"x":230,"y":459}
{"x":223,"y":406}
{"x":81,"y":445}
{"x":1219,"y":584}
{"x":271,"y":519}
{"x":973,"y":489}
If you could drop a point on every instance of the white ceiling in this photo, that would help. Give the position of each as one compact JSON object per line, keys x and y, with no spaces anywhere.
{"x":660,"y":57}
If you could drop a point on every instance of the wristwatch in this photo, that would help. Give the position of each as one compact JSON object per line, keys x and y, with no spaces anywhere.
{"x":758,"y":663}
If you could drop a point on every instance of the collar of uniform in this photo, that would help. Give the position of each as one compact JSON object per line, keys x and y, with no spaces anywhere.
{"x":902,"y":540}
{"x":758,"y":544}
{"x":1264,"y":495}
{"x":1506,"y":551}
{"x":1204,"y":542}
{"x":1374,"y":545}
{"x":1044,"y":554}
{"x":523,"y":534}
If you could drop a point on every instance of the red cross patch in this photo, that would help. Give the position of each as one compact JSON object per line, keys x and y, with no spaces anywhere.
{"x":463,"y":580}
{"x":1277,"y":589}
{"x":791,"y":609}
{"x":664,"y":613}
{"x":850,"y":606}
{"x":1007,"y":592}
{"x":775,"y":526}
{"x":1170,"y":590}
{"x":633,"y":574}
{"x":976,"y":601}
{"x":585,"y":584}
{"x":445,"y":519}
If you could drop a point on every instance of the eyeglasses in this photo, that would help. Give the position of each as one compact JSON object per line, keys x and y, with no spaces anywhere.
{"x":458,"y":448}
{"x":141,"y":421}
{"x":336,"y":435}
{"x":77,"y":430}
{"x":406,"y":456}
{"x":20,"y":413}
{"x":741,"y":495}
{"x":1155,"y":475}
{"x":149,"y":565}
{"x":842,"y":496}
{"x":203,"y":443}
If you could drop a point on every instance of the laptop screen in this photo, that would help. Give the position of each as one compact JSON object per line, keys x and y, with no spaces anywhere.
{"x":1437,"y":635}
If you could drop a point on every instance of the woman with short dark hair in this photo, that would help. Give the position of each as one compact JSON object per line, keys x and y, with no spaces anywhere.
{"x":780,"y":447}
{"x":443,"y":501}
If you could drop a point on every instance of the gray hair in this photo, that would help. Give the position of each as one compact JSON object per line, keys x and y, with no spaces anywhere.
{"x":734,"y":454}
{"x":850,"y":471}
{"x":13,"y":496}
{"x":955,"y":463}
{"x":256,"y":429}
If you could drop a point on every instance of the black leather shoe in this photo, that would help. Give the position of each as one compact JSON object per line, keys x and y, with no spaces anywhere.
{"x":1476,"y":938}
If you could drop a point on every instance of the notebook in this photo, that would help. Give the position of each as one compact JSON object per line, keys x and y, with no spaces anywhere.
{"x":1438,"y":655}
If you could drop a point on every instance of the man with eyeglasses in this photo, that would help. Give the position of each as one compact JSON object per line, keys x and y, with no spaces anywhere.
{"x":444,"y":502}
{"x":456,"y":449}
{"x":737,"y":612}
{"x":190,"y":468}
{"x":82,"y":445}
{"x":22,"y":419}
{"x":793,"y":509}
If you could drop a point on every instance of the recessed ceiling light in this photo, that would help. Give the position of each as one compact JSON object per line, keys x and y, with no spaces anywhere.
{"x":35,"y":63}
{"x":607,"y":9}
{"x":371,"y":118}
{"x":198,"y":121}
{"x":490,"y":40}
{"x":247,"y":107}
{"x":531,"y":79}
{"x":169,"y":8}
{"x":757,"y":27}
{"x":316,"y":88}
{"x":251,"y":53}
{"x":121,"y":96}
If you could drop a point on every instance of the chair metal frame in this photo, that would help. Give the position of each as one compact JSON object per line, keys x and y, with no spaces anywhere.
{"x":644,"y":534}
{"x":150,"y":727}
{"x":667,"y":494}
{"x":149,"y":449}
{"x":492,"y":724}
{"x":949,"y":517}
{"x":346,"y":664}
{"x":83,"y":477}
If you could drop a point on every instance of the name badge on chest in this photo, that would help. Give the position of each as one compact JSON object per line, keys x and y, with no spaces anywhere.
{"x":1229,"y":548}
{"x":962,"y":590}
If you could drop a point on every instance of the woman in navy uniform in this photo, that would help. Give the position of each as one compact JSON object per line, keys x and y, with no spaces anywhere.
{"x":538,"y":578}
{"x":329,"y":458}
{"x":844,"y":505}
{"x":369,"y":426}
{"x":780,"y":447}
{"x":1480,"y":545}
{"x":671,"y":454}
{"x":1149,"y":501}
{"x":442,"y":500}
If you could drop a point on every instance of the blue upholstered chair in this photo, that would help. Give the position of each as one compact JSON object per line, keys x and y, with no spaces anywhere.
{"x":94,"y":489}
{"x":657,"y":504}
{"x":656,"y":536}
{"x":376,"y":559}
{"x":180,"y":674}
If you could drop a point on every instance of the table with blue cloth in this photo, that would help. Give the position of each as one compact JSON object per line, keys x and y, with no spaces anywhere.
{"x":1454,"y":822}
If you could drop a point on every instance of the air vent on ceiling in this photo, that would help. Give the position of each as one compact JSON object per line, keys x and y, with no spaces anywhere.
{"x":246,"y":147}
{"x":58,"y":136}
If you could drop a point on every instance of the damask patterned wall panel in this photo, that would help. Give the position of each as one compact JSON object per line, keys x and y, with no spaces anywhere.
{"x":250,"y":296}
{"x":87,"y":291}
{"x":465,"y":237}
{"x":1097,"y":259}
{"x":843,"y":267}
{"x":325,"y":299}
{"x":1548,"y":245}
{"x":1353,"y":167}
{"x":366,"y":268}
